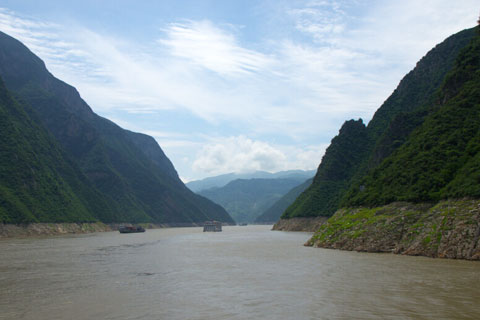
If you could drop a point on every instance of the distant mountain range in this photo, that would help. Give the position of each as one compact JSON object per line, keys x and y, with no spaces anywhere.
{"x":272,"y":214}
{"x":246,"y":199}
{"x":222,"y":180}
{"x":61,"y":162}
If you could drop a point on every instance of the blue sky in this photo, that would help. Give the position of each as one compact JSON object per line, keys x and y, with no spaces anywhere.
{"x":234,"y":86}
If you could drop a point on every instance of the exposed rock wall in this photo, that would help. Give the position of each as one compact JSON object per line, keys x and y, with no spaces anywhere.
{"x":52,"y":229}
{"x":300,"y":224}
{"x":48,"y":229}
{"x":448,"y":229}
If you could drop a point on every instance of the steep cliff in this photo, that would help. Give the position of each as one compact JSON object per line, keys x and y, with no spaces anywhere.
{"x":439,"y":158}
{"x":422,"y":199}
{"x":38,"y":182}
{"x":403,"y":112}
{"x":337,"y":168}
{"x":130,"y":170}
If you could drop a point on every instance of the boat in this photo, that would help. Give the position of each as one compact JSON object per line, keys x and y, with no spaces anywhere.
{"x":212,"y":226}
{"x":243,"y":224}
{"x":131,"y":229}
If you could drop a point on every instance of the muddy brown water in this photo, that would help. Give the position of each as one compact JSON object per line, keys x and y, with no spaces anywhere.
{"x":241,"y":273}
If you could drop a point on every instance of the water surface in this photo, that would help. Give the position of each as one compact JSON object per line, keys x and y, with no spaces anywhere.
{"x":241,"y":273}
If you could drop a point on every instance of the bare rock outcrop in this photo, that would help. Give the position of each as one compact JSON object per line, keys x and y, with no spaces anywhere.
{"x":300,"y":224}
{"x":50,"y":229}
{"x":448,"y":229}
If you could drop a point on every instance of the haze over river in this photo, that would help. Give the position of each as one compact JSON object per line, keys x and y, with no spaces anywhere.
{"x":240,"y":273}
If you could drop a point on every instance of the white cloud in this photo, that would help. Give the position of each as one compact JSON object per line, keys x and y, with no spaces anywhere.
{"x":394,"y":32}
{"x":293,"y":89}
{"x":274,"y":93}
{"x":307,"y":158}
{"x":208,"y":46}
{"x":242,"y":154}
{"x":343,"y":66}
{"x":323,"y":20}
{"x":238,"y":154}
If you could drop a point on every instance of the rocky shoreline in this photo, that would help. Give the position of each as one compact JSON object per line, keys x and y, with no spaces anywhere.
{"x":448,"y":229}
{"x":53,"y":229}
{"x":300,"y":224}
{"x":50,"y":229}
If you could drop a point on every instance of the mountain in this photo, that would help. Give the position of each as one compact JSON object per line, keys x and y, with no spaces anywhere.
{"x":222,"y":180}
{"x":440,"y":159}
{"x":359,"y":149}
{"x":272,"y":214}
{"x":128,"y":169}
{"x":419,"y":191}
{"x":38,"y":183}
{"x":246,"y":199}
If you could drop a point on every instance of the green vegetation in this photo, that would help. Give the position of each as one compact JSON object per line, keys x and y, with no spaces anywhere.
{"x":421,"y":145}
{"x":37,"y":182}
{"x":447,"y":229}
{"x":337,"y":167}
{"x":121,"y":176}
{"x":441,"y":158}
{"x":346,"y":224}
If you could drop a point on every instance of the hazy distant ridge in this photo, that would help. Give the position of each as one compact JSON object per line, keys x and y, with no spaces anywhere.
{"x":222,"y":180}
{"x":246,"y":199}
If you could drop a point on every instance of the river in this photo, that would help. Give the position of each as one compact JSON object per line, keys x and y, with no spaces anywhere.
{"x":241,"y":273}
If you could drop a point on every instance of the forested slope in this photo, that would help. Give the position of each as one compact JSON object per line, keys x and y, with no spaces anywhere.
{"x":393,"y":123}
{"x":38,"y":183}
{"x":129,"y":169}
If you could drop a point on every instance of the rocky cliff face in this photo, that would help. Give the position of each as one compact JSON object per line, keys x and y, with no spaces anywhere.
{"x":50,"y":229}
{"x":448,"y":229}
{"x":300,"y":224}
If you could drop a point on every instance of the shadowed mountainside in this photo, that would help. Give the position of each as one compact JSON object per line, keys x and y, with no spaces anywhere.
{"x":135,"y":178}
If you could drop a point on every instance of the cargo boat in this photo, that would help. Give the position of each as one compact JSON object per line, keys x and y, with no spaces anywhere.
{"x":131,"y":229}
{"x":212,"y":226}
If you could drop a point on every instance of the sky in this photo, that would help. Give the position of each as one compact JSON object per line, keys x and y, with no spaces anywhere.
{"x":235,"y":85}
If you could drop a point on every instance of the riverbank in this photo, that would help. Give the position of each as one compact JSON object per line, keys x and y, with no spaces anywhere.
{"x":53,"y":229}
{"x":300,"y":224}
{"x":448,"y":229}
{"x":50,"y":229}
